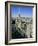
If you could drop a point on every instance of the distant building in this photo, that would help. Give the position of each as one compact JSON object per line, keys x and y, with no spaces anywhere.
{"x":24,"y":25}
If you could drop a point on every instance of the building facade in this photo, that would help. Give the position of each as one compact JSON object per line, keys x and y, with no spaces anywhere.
{"x":24,"y":26}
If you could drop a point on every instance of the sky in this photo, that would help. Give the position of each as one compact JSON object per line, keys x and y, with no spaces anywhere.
{"x":22,"y":10}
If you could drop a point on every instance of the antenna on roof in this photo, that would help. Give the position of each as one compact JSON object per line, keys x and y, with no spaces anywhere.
{"x":19,"y":12}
